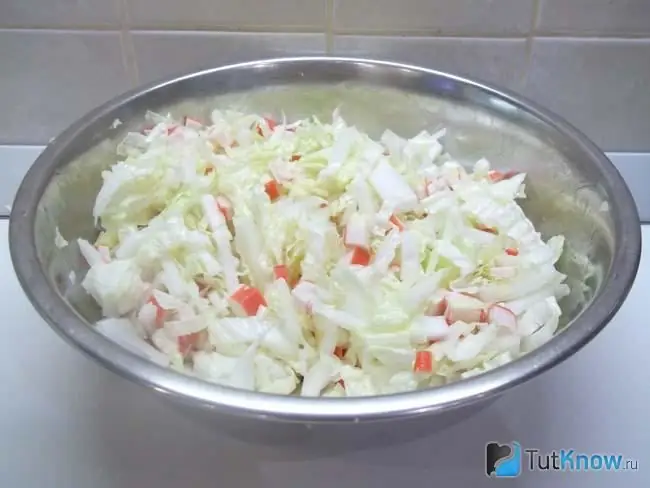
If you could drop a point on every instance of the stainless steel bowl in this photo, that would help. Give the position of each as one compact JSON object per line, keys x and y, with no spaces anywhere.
{"x":573,"y":190}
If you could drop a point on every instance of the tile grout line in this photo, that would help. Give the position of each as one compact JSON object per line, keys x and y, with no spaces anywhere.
{"x":125,"y":63}
{"x":75,"y":28}
{"x":329,"y":26}
{"x":530,"y":39}
{"x":200,"y":28}
{"x":128,"y":49}
{"x":230,"y":29}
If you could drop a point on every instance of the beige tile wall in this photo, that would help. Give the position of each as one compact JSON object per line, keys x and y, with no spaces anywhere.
{"x":588,"y":60}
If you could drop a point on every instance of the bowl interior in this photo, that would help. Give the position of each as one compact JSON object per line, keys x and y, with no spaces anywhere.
{"x":565,"y":191}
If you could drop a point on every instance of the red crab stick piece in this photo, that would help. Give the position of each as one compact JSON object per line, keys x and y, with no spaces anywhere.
{"x":437,"y":308}
{"x":502,"y":316}
{"x":272,"y":124}
{"x":511,"y":251}
{"x":463,"y":308}
{"x":438,"y":304}
{"x":273,"y":189}
{"x":360,"y":256}
{"x":225,"y":207}
{"x":496,"y":176}
{"x":423,"y":362}
{"x":161,"y":313}
{"x":190,"y":342}
{"x":396,"y":222}
{"x":339,"y":351}
{"x":281,"y":272}
{"x":246,"y":301}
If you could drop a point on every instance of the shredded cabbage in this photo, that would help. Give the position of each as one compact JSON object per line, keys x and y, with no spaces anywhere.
{"x":309,"y":259}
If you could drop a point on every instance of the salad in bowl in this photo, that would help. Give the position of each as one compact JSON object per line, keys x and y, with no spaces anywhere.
{"x":303,"y":257}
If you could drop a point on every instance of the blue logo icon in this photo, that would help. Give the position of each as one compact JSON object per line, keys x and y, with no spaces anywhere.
{"x":503,"y":460}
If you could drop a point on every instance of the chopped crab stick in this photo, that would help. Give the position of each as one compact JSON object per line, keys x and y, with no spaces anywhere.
{"x":186,"y":343}
{"x":511,"y":251}
{"x":360,"y":256}
{"x":270,"y":123}
{"x":496,"y":176}
{"x":463,"y":308}
{"x":273,"y":189}
{"x":161,"y":313}
{"x":396,"y":222}
{"x":281,"y":272}
{"x":246,"y":301}
{"x":225,"y":207}
{"x":502,"y":317}
{"x":423,"y":362}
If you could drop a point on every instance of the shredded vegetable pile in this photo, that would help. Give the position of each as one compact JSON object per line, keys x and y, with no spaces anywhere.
{"x":306,"y":258}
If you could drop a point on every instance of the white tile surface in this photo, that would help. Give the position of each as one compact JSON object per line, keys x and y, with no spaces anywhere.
{"x":434,"y":16}
{"x":501,"y":61}
{"x":594,"y":17}
{"x":50,"y":78}
{"x":600,"y":85}
{"x":15,"y":161}
{"x":160,"y":54}
{"x":234,"y":13}
{"x":59,"y":13}
{"x":67,"y":423}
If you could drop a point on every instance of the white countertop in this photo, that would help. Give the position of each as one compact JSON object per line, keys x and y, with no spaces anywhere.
{"x":67,"y":423}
